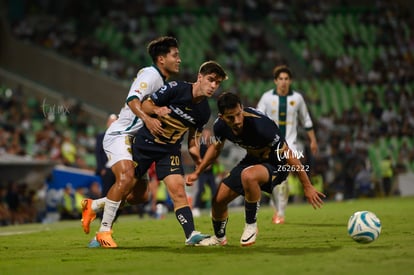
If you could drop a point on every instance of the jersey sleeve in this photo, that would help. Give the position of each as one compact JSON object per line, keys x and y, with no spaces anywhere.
{"x":205,"y":118}
{"x":218,"y":129}
{"x":304,"y":115}
{"x":163,"y":96}
{"x":269,"y":131}
{"x":261,"y":105}
{"x":146,"y":82}
{"x":200,"y":127}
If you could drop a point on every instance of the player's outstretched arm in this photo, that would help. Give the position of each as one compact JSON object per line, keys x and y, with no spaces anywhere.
{"x":313,"y":143}
{"x":194,"y":145}
{"x":209,"y":158}
{"x":149,"y":108}
{"x":313,"y":196}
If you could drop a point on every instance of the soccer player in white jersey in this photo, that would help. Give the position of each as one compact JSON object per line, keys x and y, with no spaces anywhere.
{"x":118,"y":138}
{"x":287,"y":108}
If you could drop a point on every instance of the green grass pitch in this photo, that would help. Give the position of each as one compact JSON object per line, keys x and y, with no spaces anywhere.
{"x":311,"y":242}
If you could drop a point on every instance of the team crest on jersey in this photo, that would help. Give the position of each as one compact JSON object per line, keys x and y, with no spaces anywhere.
{"x":143,"y":85}
{"x":292,"y":103}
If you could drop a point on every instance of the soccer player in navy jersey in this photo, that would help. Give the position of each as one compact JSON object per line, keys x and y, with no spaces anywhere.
{"x":189,"y":111}
{"x":267,"y":163}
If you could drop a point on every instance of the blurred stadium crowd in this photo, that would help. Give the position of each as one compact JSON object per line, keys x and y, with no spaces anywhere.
{"x":354,"y":64}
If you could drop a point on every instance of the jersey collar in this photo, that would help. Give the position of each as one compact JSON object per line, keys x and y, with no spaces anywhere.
{"x":289,"y":93}
{"x":159,"y":71}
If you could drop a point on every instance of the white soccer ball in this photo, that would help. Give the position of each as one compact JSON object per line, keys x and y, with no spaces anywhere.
{"x":364,"y":227}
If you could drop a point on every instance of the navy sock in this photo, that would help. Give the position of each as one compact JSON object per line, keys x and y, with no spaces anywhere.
{"x":220,"y":228}
{"x":251,"y":211}
{"x":185,"y":218}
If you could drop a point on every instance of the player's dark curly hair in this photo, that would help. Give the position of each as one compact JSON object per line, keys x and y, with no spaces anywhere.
{"x":281,"y":69}
{"x":161,"y":46}
{"x":227,"y":100}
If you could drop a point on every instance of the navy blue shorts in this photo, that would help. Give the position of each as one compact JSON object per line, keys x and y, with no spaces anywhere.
{"x":165,"y":163}
{"x":233,"y":180}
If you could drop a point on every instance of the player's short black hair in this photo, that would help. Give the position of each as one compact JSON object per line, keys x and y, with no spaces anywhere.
{"x":227,"y":100}
{"x":212,"y":67}
{"x":161,"y":46}
{"x":281,"y":69}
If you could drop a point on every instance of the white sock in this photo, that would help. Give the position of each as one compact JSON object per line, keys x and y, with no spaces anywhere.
{"x":98,"y":204}
{"x":282,"y":198}
{"x":274,"y":196}
{"x":110,"y":209}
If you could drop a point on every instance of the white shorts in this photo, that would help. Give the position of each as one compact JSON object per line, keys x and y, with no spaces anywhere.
{"x":117,"y":147}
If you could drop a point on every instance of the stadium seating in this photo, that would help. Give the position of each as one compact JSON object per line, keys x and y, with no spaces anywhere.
{"x":342,"y":31}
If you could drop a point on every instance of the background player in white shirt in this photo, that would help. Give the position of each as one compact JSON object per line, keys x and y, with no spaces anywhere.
{"x":287,"y":108}
{"x":118,"y":137}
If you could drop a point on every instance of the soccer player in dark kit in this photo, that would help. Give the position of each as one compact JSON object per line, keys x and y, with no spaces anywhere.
{"x":267,"y":163}
{"x":188,"y":111}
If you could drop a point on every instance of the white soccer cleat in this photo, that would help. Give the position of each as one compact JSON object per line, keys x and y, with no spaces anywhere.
{"x":213,"y":241}
{"x":249,"y":234}
{"x":195,"y":238}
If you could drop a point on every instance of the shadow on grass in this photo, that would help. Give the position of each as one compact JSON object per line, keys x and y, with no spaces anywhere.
{"x":318,"y":224}
{"x":233,"y":250}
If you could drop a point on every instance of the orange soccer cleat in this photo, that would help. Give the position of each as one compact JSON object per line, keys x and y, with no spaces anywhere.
{"x":88,"y":215}
{"x":278,"y":220}
{"x":105,"y":239}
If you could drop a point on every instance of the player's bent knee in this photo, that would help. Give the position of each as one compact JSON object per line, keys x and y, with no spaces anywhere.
{"x":139,"y":193}
{"x":248,"y":176}
{"x":137,"y":199}
{"x":126,"y":180}
{"x":218,"y":204}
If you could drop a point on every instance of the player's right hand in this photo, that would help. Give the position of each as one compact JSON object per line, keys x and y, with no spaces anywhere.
{"x":190,"y":179}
